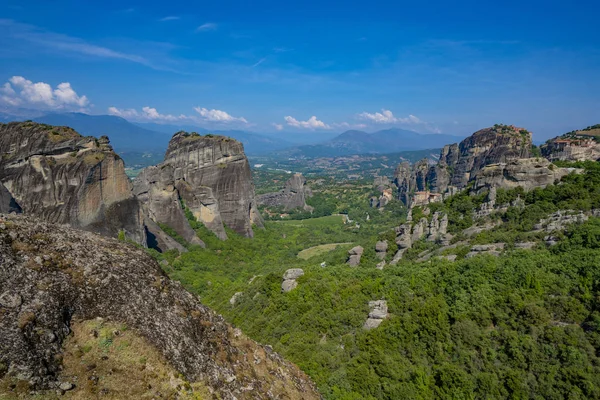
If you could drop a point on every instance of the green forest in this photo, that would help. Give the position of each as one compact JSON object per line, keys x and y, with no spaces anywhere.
{"x":525,"y":325}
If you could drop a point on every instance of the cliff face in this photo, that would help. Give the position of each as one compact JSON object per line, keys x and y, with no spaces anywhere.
{"x":460,"y":163}
{"x":211,"y":175}
{"x":293,"y":195}
{"x":62,"y":177}
{"x":52,"y":275}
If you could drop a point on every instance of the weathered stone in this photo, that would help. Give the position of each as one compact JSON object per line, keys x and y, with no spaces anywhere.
{"x":293,"y":195}
{"x":528,"y":173}
{"x":119,"y":282}
{"x":572,"y":147}
{"x":380,"y":265}
{"x":289,"y":285}
{"x":62,"y":177}
{"x":560,"y":220}
{"x":7,"y":203}
{"x":233,"y":300}
{"x":381,"y":249}
{"x":525,"y":245}
{"x":66,"y":386}
{"x":354,"y":255}
{"x":10,"y":300}
{"x":211,"y":175}
{"x":293,"y":273}
{"x":378,"y":312}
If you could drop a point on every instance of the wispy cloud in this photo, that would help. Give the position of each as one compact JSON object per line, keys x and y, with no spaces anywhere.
{"x":387,"y":117}
{"x":209,"y":26}
{"x":218,"y":116}
{"x":169,"y":18}
{"x":256,"y":64}
{"x":68,"y":44}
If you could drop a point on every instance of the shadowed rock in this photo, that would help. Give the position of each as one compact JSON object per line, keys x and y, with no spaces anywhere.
{"x":354,"y":255}
{"x":292,"y":196}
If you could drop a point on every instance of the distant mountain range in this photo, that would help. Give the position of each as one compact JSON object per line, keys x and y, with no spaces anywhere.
{"x":380,"y":142}
{"x":138,"y":138}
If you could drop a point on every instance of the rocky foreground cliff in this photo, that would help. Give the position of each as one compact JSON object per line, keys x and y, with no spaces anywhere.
{"x":53,"y":278}
{"x":62,"y":177}
{"x":211,"y":176}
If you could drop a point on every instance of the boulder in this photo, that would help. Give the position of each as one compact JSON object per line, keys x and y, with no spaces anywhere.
{"x":381,"y":249}
{"x":354,"y":255}
{"x":289,"y":285}
{"x":378,"y":312}
{"x":233,"y":300}
{"x":289,"y":279}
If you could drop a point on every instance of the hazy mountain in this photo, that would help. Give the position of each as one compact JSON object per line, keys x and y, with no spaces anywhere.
{"x":380,"y":142}
{"x":254,"y":143}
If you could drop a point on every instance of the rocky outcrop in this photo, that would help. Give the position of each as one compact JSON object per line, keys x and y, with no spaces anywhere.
{"x":410,"y":232}
{"x":7,"y":203}
{"x":574,"y":146}
{"x":461,"y":163}
{"x":378,"y":312}
{"x":381,"y":249}
{"x":494,"y":249}
{"x":289,"y":279}
{"x":354,"y":255}
{"x":211,"y":175}
{"x":560,"y":220}
{"x":292,"y":196}
{"x":64,"y":178}
{"x":51,"y":275}
{"x":528,"y":173}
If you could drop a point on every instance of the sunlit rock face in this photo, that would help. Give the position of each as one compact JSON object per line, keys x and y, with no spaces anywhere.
{"x":62,"y":177}
{"x":211,"y":176}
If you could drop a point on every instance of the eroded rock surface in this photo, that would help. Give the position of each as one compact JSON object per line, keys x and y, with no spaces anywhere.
{"x":289,"y":279}
{"x":292,"y":196}
{"x":211,"y":175}
{"x":378,"y":312}
{"x":50,"y":275}
{"x":62,"y":177}
{"x":354,"y":255}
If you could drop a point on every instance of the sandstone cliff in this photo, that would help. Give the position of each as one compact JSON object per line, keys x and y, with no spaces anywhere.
{"x":63,"y":177}
{"x":52,"y":276}
{"x":211,"y":175}
{"x":293,"y":195}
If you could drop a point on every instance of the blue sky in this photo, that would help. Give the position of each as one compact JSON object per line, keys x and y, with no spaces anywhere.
{"x":309,"y":66}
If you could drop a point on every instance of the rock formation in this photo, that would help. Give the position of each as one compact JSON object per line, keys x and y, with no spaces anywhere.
{"x":574,"y":146}
{"x":64,"y":178}
{"x":410,"y":232}
{"x":460,"y":164}
{"x":292,"y":196}
{"x":7,"y":203}
{"x":378,"y":312}
{"x":493,"y":249}
{"x":354,"y":255}
{"x":528,"y":173}
{"x":211,"y":175}
{"x":51,"y":275}
{"x":381,"y":249}
{"x":289,"y":279}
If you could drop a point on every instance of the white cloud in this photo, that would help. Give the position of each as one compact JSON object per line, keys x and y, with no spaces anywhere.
{"x":279,"y":127}
{"x":218,"y":116}
{"x":19,"y":91}
{"x":209,"y":26}
{"x":387,"y":117}
{"x":169,"y":18}
{"x":346,"y":125}
{"x":147,"y":113}
{"x":311,"y":123}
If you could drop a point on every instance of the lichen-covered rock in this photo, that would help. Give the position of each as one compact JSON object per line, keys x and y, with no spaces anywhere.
{"x":81,"y":275}
{"x":292,"y":196}
{"x":354,"y":255}
{"x":211,"y":175}
{"x":62,"y":177}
